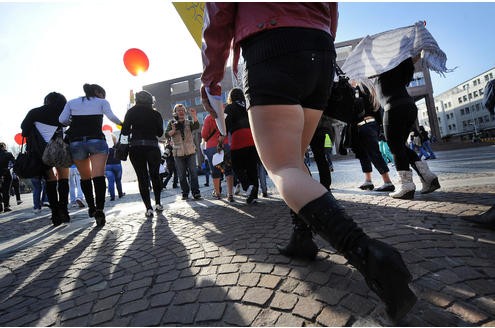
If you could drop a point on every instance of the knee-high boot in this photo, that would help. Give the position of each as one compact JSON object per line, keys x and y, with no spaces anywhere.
{"x":100,"y":190}
{"x":380,"y":264}
{"x":301,"y":243}
{"x":63,"y":199}
{"x":87,"y":189}
{"x":51,"y":192}
{"x":428,"y":178}
{"x":406,"y":186}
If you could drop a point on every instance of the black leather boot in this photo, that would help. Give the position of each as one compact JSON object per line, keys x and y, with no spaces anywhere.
{"x":63,"y":200}
{"x":301,"y":244}
{"x":380,"y":264}
{"x":52,"y":194}
{"x":100,"y":190}
{"x":87,"y":189}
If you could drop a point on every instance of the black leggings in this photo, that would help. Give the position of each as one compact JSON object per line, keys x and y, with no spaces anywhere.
{"x":318,"y":147}
{"x":144,"y":158}
{"x":245,"y":165}
{"x":397,"y":123}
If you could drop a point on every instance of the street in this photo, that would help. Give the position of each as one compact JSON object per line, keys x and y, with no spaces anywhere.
{"x":214,"y":263}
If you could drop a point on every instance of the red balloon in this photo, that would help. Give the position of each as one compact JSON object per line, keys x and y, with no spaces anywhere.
{"x":136,"y":61}
{"x":107,"y":127}
{"x":18,"y":138}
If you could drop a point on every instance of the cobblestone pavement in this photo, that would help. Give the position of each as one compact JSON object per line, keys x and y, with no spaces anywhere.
{"x":214,"y":263}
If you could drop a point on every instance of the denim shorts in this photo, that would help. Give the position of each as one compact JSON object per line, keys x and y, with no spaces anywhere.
{"x":83,"y":149}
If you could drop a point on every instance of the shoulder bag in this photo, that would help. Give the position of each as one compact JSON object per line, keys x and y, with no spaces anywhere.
{"x":57,"y":152}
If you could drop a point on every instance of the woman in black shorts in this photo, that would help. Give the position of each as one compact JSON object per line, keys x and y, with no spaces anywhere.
{"x":289,"y":59}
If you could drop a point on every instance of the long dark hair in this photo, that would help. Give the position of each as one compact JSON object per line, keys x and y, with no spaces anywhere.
{"x":55,"y":99}
{"x":90,"y":90}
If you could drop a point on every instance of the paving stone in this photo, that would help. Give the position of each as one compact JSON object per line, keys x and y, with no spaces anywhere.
{"x":241,"y":315}
{"x":134,"y":306}
{"x":183,"y":283}
{"x":333,"y":317}
{"x":180,"y":314}
{"x":132,"y":295}
{"x":102,"y":316}
{"x":76,"y":311}
{"x":249,"y":279}
{"x":228,"y":268}
{"x":283,"y":301}
{"x":357,"y":304}
{"x":266,"y":318}
{"x":212,"y":294}
{"x":228,"y":279}
{"x":186,"y":296}
{"x":289,"y":320}
{"x":236,"y":293}
{"x":468,"y":312}
{"x":307,"y":308}
{"x":106,"y":303}
{"x":257,"y":295}
{"x":269,"y":281}
{"x":151,"y":317}
{"x":162,"y":299}
{"x":210,"y":311}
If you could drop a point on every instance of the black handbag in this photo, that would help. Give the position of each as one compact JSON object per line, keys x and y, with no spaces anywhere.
{"x":57,"y":152}
{"x":28,"y":165}
{"x":121,"y":151}
{"x":340,"y":106}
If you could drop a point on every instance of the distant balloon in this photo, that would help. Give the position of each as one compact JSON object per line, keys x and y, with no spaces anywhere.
{"x":136,"y":61}
{"x":18,"y":138}
{"x":107,"y":127}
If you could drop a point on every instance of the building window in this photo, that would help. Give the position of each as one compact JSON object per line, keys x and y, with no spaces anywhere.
{"x":486,"y":118}
{"x":197,"y":83}
{"x":475,"y":93}
{"x":491,"y":76}
{"x":464,"y":98}
{"x":487,"y":78}
{"x":460,"y":100}
{"x":475,"y":83}
{"x":462,"y":111}
{"x":450,"y":104}
{"x":179,"y":87}
{"x":197,"y":101}
{"x":450,"y":127}
{"x":467,"y":110}
{"x":453,"y":126}
{"x":480,"y":120}
{"x":481,"y":92}
{"x":417,"y":80}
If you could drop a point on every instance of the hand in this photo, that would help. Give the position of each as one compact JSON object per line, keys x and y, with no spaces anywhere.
{"x":193,"y":112}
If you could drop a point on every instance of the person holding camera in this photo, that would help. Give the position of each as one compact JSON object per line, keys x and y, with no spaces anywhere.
{"x":180,"y":129}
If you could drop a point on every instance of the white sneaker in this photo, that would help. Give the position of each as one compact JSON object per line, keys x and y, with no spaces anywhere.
{"x":248,"y":191}
{"x":237,"y":189}
{"x":159,"y":208}
{"x":149,"y":213}
{"x":37,"y":210}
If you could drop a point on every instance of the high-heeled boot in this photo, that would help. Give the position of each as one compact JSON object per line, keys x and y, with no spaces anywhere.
{"x":428,"y":178}
{"x":301,"y":243}
{"x":380,"y":264}
{"x":63,"y":200}
{"x":51,"y":193}
{"x":100,"y":189}
{"x":87,"y":189}
{"x":406,"y":186}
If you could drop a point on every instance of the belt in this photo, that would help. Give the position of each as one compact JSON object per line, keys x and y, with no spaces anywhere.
{"x":86,"y":138}
{"x":363,"y":122}
{"x":144,"y":142}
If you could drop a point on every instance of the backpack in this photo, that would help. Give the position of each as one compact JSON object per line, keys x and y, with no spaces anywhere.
{"x":489,"y":97}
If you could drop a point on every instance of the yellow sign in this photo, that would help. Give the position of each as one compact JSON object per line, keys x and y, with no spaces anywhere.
{"x":192,"y":16}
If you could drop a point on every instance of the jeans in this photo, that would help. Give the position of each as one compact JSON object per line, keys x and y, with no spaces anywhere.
{"x":369,"y":150}
{"x":262,"y":177}
{"x":39,"y":192}
{"x":114,"y":177}
{"x":427,"y":147}
{"x":75,"y":190}
{"x":185,"y":164}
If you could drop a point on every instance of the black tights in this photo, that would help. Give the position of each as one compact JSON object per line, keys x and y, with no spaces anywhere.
{"x":397,"y":123}
{"x":318,"y":147}
{"x":144,"y":158}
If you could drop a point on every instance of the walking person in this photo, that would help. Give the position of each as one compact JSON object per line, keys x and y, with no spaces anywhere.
{"x":88,"y":146}
{"x":180,"y":129}
{"x":39,"y":193}
{"x":289,"y":73}
{"x":75,"y":191}
{"x":168,"y":157}
{"x":215,"y":142}
{"x":16,"y":188}
{"x":113,"y":172}
{"x":426,"y":142}
{"x":243,"y":151}
{"x":44,"y":121}
{"x":205,"y":167}
{"x":142,"y":127}
{"x":6,"y":163}
{"x":317,"y":145}
{"x":365,"y":132}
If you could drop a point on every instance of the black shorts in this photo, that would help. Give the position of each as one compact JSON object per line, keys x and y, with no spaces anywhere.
{"x":302,"y":77}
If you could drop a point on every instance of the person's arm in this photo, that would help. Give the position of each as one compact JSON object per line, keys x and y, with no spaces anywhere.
{"x":64,"y":117}
{"x":170,"y":131}
{"x":195,"y":123}
{"x":206,"y":130}
{"x":108,"y":112}
{"x":126,"y":125}
{"x":159,"y":124}
{"x":28,"y":123}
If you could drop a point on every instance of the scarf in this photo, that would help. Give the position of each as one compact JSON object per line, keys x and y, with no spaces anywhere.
{"x":384,"y":51}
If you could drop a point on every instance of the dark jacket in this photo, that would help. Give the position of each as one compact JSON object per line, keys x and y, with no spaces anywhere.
{"x":143,"y":123}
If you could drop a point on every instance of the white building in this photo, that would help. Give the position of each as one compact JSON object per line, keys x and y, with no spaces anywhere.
{"x":460,"y":111}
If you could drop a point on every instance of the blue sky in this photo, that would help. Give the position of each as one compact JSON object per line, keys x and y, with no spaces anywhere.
{"x":59,"y":46}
